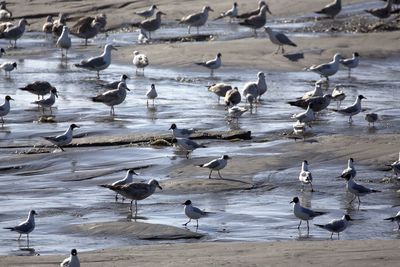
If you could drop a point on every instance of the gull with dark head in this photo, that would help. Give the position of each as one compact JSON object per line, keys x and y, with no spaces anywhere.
{"x":5,"y":108}
{"x":231,"y":13}
{"x":351,"y":63}
{"x":98,"y":63}
{"x":147,"y":13}
{"x":395,"y":218}
{"x":396,"y":167}
{"x":180,"y":132}
{"x":48,"y":102}
{"x":62,"y":139}
{"x":216,"y":165}
{"x":26,"y":227}
{"x":114,"y":85}
{"x":353,"y":109}
{"x":112,"y":97}
{"x":212,"y":64}
{"x":337,"y":225}
{"x":193,"y":212}
{"x":303,"y":213}
{"x":8,"y":67}
{"x":72,"y":260}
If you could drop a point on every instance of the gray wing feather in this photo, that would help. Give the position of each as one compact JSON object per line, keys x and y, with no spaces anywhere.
{"x":284,"y":39}
{"x":92,"y":62}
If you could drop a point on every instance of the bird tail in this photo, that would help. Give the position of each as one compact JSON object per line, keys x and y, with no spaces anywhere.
{"x":200,"y":63}
{"x":220,"y":17}
{"x":78,"y":65}
{"x":319,"y":213}
{"x":201,"y":165}
{"x":202,"y":146}
{"x":9,"y":228}
{"x":135,"y":24}
{"x":375,"y":191}
{"x":389,"y":219}
{"x":109,"y":186}
{"x":95,"y":99}
{"x":320,"y":225}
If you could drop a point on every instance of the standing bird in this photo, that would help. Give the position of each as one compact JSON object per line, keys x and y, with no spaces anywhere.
{"x":186,"y":145}
{"x":396,"y":167}
{"x":114,"y":85}
{"x":151,"y":94}
{"x":135,"y":191}
{"x":236,"y":112}
{"x":39,"y":88}
{"x":126,"y":180}
{"x":232,"y":97}
{"x":256,"y":89}
{"x":196,"y":19}
{"x":112,"y":97}
{"x":303,"y":213}
{"x":86,"y":28}
{"x":317,"y":103}
{"x":371,"y":118}
{"x":5,"y":108}
{"x":98,"y":63}
{"x":146,"y":13}
{"x":25,"y":227}
{"x":13,"y":33}
{"x":327,"y":69}
{"x":8,"y":67}
{"x":212,"y":64}
{"x":332,"y":9}
{"x":193,"y":213}
{"x":62,"y":139}
{"x":316,"y":92}
{"x":71,"y":261}
{"x":59,"y":23}
{"x":180,"y":132}
{"x":353,"y":109}
{"x":216,"y":165}
{"x":257,"y":21}
{"x":337,"y":225}
{"x":381,"y":13}
{"x":351,"y":63}
{"x":306,"y":116}
{"x":305,"y":176}
{"x":278,"y":38}
{"x":338,"y":96}
{"x":253,"y":12}
{"x":48,"y":25}
{"x":219,"y":89}
{"x":357,"y":190}
{"x":5,"y":13}
{"x":140,"y":61}
{"x":231,"y":13}
{"x":151,"y":24}
{"x":396,"y":219}
{"x":350,"y":171}
{"x":64,"y":41}
{"x":48,"y":102}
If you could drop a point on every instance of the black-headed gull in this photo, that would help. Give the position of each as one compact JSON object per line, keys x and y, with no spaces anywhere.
{"x":72,"y":260}
{"x":216,"y":165}
{"x":303,"y":213}
{"x":26,"y":227}
{"x":193,"y":212}
{"x":337,"y":225}
{"x":5,"y":108}
{"x":62,"y":139}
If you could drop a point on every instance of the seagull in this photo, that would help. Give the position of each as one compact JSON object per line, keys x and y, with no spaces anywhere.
{"x":196,"y":19}
{"x":8,"y":67}
{"x":327,"y":69}
{"x":5,"y":13}
{"x":151,"y":94}
{"x":180,"y":132}
{"x":303,"y":213}
{"x":62,"y":139}
{"x":306,"y":116}
{"x":152,"y":24}
{"x":135,"y":191}
{"x":371,"y":118}
{"x":59,"y":23}
{"x":317,"y":103}
{"x":350,"y":171}
{"x":250,"y":98}
{"x":147,"y":13}
{"x":336,"y":226}
{"x":14,"y":32}
{"x":299,"y":128}
{"x":235,"y":112}
{"x":253,"y":12}
{"x":216,"y":165}
{"x":64,"y":41}
{"x":381,"y":13}
{"x":351,"y":63}
{"x":2,"y":52}
{"x":231,"y":13}
{"x":396,"y":166}
{"x":332,"y":9}
{"x":48,"y":25}
{"x":5,"y":108}
{"x":353,"y":109}
{"x":279,"y":39}
{"x":357,"y":190}
{"x":232,"y":97}
{"x":88,"y":27}
{"x":112,"y":97}
{"x":212,"y":64}
{"x":71,"y":261}
{"x":193,"y":213}
{"x":140,"y":61}
{"x":142,"y":36}
{"x":258,"y":88}
{"x":48,"y":102}
{"x":98,"y":63}
{"x":25,"y":227}
{"x":126,"y":180}
{"x":305,"y":175}
{"x":114,"y":85}
{"x":186,"y":144}
{"x":396,"y":219}
{"x":39,"y":88}
{"x":257,"y":21}
{"x":219,"y":89}
{"x":338,"y":95}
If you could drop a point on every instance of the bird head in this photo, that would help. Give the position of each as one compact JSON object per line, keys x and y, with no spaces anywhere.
{"x":347,"y":217}
{"x":74,"y":252}
{"x":187,"y":202}
{"x":155,"y":183}
{"x":295,"y":200}
{"x":54,"y":91}
{"x":226,"y":157}
{"x":8,"y":98}
{"x":361,"y":97}
{"x":132,"y":171}
{"x":173,"y":127}
{"x":207,"y":8}
{"x":73,"y":126}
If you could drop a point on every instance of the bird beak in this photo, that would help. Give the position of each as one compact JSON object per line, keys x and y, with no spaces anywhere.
{"x":269,"y":11}
{"x":126,"y":88}
{"x":211,"y":9}
{"x":113,"y":48}
{"x":56,"y":95}
{"x":162,"y":13}
{"x":12,"y":99}
{"x":159,"y":187}
{"x":291,"y":201}
{"x":169,"y":128}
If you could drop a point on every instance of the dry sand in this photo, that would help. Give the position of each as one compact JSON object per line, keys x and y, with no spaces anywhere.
{"x":376,"y":150}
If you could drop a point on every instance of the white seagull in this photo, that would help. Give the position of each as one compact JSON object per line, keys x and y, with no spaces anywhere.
{"x":26,"y":227}
{"x":327,"y":69}
{"x":186,"y":145}
{"x":64,"y":41}
{"x":147,"y":13}
{"x":337,"y":225}
{"x":196,"y":19}
{"x":353,"y":109}
{"x":151,"y":94}
{"x":140,"y":61}
{"x":216,"y":165}
{"x":278,"y":38}
{"x":212,"y":64}
{"x":220,"y":89}
{"x":396,"y":219}
{"x":396,"y":166}
{"x":180,"y":132}
{"x":350,"y":171}
{"x":71,"y":261}
{"x":236,"y":112}
{"x":5,"y":108}
{"x":8,"y":67}
{"x":112,"y":97}
{"x":306,"y":116}
{"x":303,"y":213}
{"x":231,"y":13}
{"x":62,"y":139}
{"x":358,"y":190}
{"x":193,"y":213}
{"x":98,"y":63}
{"x":351,"y":63}
{"x":48,"y":102}
{"x":126,"y":180}
{"x":305,"y":176}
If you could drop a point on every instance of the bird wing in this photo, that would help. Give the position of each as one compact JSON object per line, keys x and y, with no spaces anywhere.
{"x":361,"y":189}
{"x":56,"y":139}
{"x":248,"y":14}
{"x":349,"y":109}
{"x":23,"y":227}
{"x":283,"y":39}
{"x":212,"y":164}
{"x":199,"y":211}
{"x":92,"y":62}
{"x":82,"y":23}
{"x":191,"y":18}
{"x":65,"y":263}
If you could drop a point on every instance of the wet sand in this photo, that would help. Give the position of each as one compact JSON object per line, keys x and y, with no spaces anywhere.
{"x":372,"y":151}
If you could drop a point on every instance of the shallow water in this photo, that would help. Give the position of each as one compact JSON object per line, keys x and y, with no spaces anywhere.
{"x":61,"y":187}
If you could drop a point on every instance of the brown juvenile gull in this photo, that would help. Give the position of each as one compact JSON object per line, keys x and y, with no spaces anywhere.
{"x":232,"y":97}
{"x":219,"y":89}
{"x":371,"y":118}
{"x":39,"y":88}
{"x":13,"y":33}
{"x":332,"y":9}
{"x":89,"y":27}
{"x":196,"y":19}
{"x":317,"y":103}
{"x":48,"y":25}
{"x":279,"y":39}
{"x":381,"y":13}
{"x":253,"y":12}
{"x":147,"y":13}
{"x":135,"y":191}
{"x":151,"y":24}
{"x":257,"y":21}
{"x":140,"y":61}
{"x":5,"y":13}
{"x":98,"y":63}
{"x":59,"y":23}
{"x":112,"y":97}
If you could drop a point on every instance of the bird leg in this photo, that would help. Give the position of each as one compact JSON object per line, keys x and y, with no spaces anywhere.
{"x":185,"y":224}
{"x":350,"y":119}
{"x":27,"y":239}
{"x":209,"y":176}
{"x":189,"y":29}
{"x":197,"y":225}
{"x":135,"y":208}
{"x":298,"y":227}
{"x":352,"y":199}
{"x":283,"y":50}
{"x":98,"y":74}
{"x":277,"y":50}
{"x":359,"y":201}
{"x":19,"y":237}
{"x":338,"y":236}
{"x":61,"y":148}
{"x":312,"y":189}
{"x":219,"y":175}
{"x":308,"y":226}
{"x":116,"y":197}
{"x":131,"y":206}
